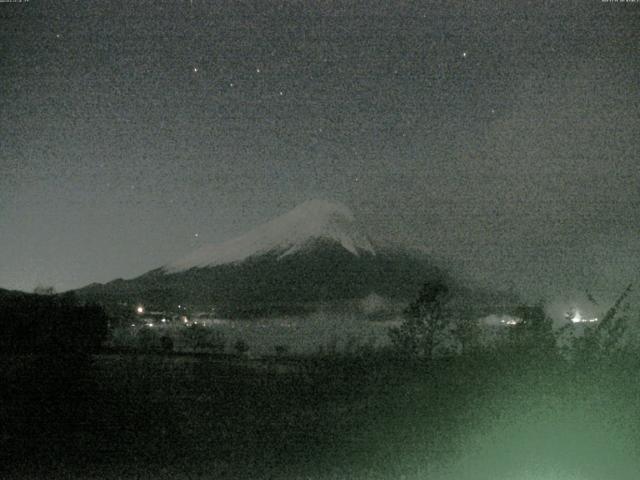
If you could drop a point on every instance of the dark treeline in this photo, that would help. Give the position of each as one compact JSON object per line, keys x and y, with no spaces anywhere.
{"x":31,"y":323}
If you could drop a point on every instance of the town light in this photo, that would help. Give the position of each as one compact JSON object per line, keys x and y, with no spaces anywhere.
{"x":578,"y":318}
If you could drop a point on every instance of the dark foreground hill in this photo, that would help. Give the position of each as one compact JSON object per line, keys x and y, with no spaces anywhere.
{"x":31,"y":323}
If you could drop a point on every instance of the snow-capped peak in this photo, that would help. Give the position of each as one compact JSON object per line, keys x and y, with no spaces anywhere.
{"x":286,"y":234}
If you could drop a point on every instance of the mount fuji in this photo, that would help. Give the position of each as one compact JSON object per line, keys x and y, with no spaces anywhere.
{"x":314,"y":256}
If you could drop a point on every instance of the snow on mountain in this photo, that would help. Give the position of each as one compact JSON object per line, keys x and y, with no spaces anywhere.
{"x":310,"y":221}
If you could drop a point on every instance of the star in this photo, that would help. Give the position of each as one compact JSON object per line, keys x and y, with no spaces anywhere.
{"x":464,"y":54}
{"x":196,"y":235}
{"x":281,"y":93}
{"x":195,"y":69}
{"x":257,"y":70}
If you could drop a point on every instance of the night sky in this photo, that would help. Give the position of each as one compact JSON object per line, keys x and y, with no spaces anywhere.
{"x":504,"y":136}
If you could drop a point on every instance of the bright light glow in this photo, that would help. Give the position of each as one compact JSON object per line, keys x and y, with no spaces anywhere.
{"x":510,"y":321}
{"x":140,"y":309}
{"x":577,"y":318}
{"x":164,"y":320}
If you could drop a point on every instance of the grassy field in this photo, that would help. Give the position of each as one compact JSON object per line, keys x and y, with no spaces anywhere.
{"x":491,"y":415}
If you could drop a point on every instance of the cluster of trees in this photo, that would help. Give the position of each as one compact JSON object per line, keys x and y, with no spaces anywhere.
{"x":50,"y":323}
{"x":429,"y":324}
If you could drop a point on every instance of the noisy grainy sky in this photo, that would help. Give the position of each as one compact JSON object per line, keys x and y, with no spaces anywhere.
{"x":503,"y":135}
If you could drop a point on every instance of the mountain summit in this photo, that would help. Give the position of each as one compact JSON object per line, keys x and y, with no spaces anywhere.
{"x":302,"y":227}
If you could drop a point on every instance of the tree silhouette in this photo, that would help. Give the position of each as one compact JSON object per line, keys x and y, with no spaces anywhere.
{"x":424,"y":322}
{"x":534,"y":332}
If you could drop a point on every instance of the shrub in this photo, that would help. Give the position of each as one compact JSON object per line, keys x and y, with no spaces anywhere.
{"x":147,"y":338}
{"x":281,"y":350}
{"x":198,"y":337}
{"x":241,"y":347}
{"x":166,"y":343}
